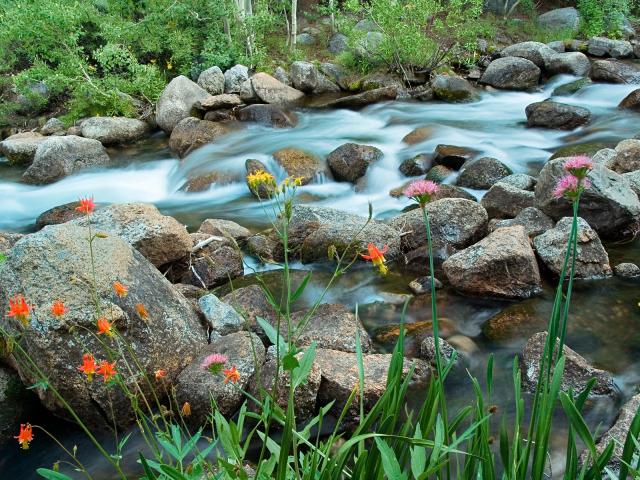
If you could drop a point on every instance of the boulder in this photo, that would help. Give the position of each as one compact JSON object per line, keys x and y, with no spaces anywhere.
{"x":248,"y":94}
{"x":330,"y":326}
{"x":350,"y":161}
{"x":418,"y":135}
{"x":521,"y":181}
{"x":428,"y":350}
{"x":251,"y":302}
{"x":20,"y":149}
{"x":314,"y":229}
{"x":298,"y":164}
{"x":501,"y":265}
{"x":511,"y":73}
{"x":57,"y":157}
{"x":219,"y":102}
{"x":415,"y":166}
{"x":224,"y":228}
{"x":368,"y":46}
{"x":192,"y":133}
{"x":340,"y":374}
{"x":59,"y":214}
{"x":452,"y":156}
{"x":273,"y":91}
{"x":53,"y":126}
{"x":560,"y":19}
{"x":481,"y":174}
{"x":577,"y":371}
{"x":572,"y":63}
{"x":614,"y":71}
{"x":592,"y":260}
{"x":363,"y":99}
{"x":255,"y":166}
{"x":454,"y":221}
{"x":634,"y":181}
{"x":305,"y":39}
{"x":114,"y":130}
{"x":213,"y":264}
{"x":335,"y":73}
{"x":305,"y":394}
{"x":269,"y":115}
{"x":533,"y":220}
{"x":609,"y":205}
{"x":607,"y":47}
{"x":222,"y":317}
{"x":212,"y":80}
{"x":8,"y":240}
{"x":627,"y":270}
{"x":234,"y":78}
{"x":504,"y":200}
{"x":556,"y":115}
{"x":14,"y":400}
{"x":178,"y":101}
{"x":535,"y":52}
{"x":55,"y":264}
{"x":304,"y":76}
{"x":338,"y":43}
{"x":198,"y":386}
{"x":453,"y":89}
{"x":630,"y":102}
{"x":571,"y":88}
{"x":160,"y":238}
{"x":627,"y":157}
{"x":325,"y":85}
{"x":281,"y":75}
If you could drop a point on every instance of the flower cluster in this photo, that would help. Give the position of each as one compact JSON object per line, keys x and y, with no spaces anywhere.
{"x":25,"y":436}
{"x":215,"y":363}
{"x":89,"y":367}
{"x":571,"y":185}
{"x":421,"y":191}
{"x":20,"y":309}
{"x":86,"y":206}
{"x":262,"y":180}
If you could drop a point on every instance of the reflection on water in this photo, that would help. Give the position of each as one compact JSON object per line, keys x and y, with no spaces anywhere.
{"x":605,"y":317}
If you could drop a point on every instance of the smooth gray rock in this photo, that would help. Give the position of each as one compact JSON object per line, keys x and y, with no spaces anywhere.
{"x":273,"y":91}
{"x":20,"y":148}
{"x":614,"y":71}
{"x":511,"y":73}
{"x":556,"y":115}
{"x":350,"y":161}
{"x":114,"y":130}
{"x":560,"y":19}
{"x":212,"y":80}
{"x":304,"y":76}
{"x":234,"y":78}
{"x":221,"y":316}
{"x":607,"y":47}
{"x":483,"y":173}
{"x":453,"y":89}
{"x":178,"y":101}
{"x":535,"y":52}
{"x":572,"y":63}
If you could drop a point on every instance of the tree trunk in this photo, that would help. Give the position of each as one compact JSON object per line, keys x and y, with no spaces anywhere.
{"x":294,"y":23}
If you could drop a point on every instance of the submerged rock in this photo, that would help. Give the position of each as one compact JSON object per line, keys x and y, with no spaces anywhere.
{"x":269,"y":115}
{"x":592,"y":260}
{"x":198,"y":386}
{"x":422,"y":285}
{"x":501,"y":265}
{"x":556,"y":115}
{"x":57,"y":157}
{"x":299,"y":164}
{"x":577,"y":371}
{"x":192,"y":133}
{"x":511,"y":73}
{"x":114,"y":130}
{"x":350,"y":161}
{"x":178,"y":101}
{"x":55,"y":264}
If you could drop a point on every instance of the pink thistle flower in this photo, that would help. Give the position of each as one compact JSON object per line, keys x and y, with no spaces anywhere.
{"x":579,"y":166}
{"x":421,"y":191}
{"x":214,"y":362}
{"x":570,"y":187}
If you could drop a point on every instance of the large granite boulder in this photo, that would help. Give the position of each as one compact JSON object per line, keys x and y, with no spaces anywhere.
{"x":556,"y":115}
{"x":535,"y":52}
{"x":234,"y":78}
{"x":55,"y":264}
{"x":511,"y":73}
{"x":20,"y":149}
{"x":350,"y":161}
{"x":57,"y":157}
{"x":273,"y":91}
{"x":614,"y":71}
{"x":501,"y":265}
{"x":566,"y":18}
{"x":572,"y":63}
{"x":608,"y":47}
{"x":450,"y":88}
{"x":178,"y":101}
{"x":192,"y":133}
{"x":114,"y":130}
{"x":212,"y":80}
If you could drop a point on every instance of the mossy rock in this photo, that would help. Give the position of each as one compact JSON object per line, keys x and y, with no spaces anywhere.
{"x":588,"y":148}
{"x":571,"y":87}
{"x":438,"y":173}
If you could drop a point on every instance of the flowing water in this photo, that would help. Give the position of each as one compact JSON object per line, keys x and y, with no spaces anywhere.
{"x":605,"y":320}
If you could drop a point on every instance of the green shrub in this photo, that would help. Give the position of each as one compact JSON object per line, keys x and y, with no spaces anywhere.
{"x":603,"y":17}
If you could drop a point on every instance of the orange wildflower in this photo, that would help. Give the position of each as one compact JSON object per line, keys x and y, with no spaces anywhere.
{"x":186,"y":409}
{"x":120,"y":289}
{"x":376,"y":256}
{"x":88,"y":366}
{"x":231,"y":375}
{"x":19,"y":309}
{"x":107,"y":370}
{"x":25,"y":436}
{"x":105,"y":326}
{"x":160,"y":373}
{"x":142,"y":311}
{"x":58,"y":309}
{"x":86,"y":206}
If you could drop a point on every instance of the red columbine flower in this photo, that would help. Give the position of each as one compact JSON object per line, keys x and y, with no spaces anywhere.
{"x":421,"y":191}
{"x":58,"y":309}
{"x":107,"y":370}
{"x":120,"y":289}
{"x":214,"y":362}
{"x":86,"y":206}
{"x":231,"y":375}
{"x":105,"y":326}
{"x":160,"y":373}
{"x":19,"y":309}
{"x":88,"y":366}
{"x":376,"y":256}
{"x":25,"y":436}
{"x":142,"y":311}
{"x":186,"y":409}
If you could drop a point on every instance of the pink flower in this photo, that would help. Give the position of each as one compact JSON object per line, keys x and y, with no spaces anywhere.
{"x":214,"y":362}
{"x":421,"y":191}
{"x":579,"y":166}
{"x":570,"y":187}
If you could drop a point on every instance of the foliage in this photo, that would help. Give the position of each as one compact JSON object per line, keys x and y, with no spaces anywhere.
{"x":603,"y":17}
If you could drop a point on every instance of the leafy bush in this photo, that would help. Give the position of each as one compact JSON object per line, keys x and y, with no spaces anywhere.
{"x":603,"y":17}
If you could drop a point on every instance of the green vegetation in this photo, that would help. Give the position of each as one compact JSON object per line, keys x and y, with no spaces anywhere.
{"x":604,"y":17}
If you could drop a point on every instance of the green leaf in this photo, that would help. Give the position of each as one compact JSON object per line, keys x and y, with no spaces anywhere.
{"x":300,"y":290}
{"x":147,"y":471}
{"x":51,"y":475}
{"x":172,"y":473}
{"x":272,"y":334}
{"x":418,"y":455}
{"x":43,"y":384}
{"x":578,"y":423}
{"x":290,"y":362}
{"x":389,"y":462}
{"x":300,"y":374}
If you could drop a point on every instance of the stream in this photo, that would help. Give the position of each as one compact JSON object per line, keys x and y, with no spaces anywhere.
{"x":604,"y":324}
